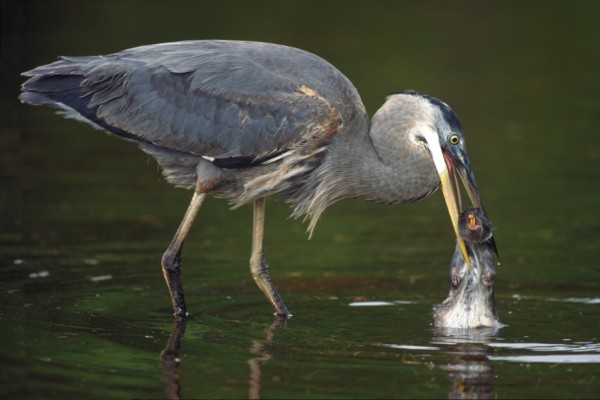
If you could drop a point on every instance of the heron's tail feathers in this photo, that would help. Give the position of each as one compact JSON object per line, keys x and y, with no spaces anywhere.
{"x":63,"y":84}
{"x":52,"y":84}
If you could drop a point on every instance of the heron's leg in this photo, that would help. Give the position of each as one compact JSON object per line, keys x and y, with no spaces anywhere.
{"x":171,"y":260}
{"x":258,"y":264}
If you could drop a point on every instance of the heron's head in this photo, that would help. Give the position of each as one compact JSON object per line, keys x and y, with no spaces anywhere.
{"x":438,"y":126}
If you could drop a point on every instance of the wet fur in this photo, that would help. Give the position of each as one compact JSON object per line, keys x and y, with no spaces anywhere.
{"x":471,"y":300}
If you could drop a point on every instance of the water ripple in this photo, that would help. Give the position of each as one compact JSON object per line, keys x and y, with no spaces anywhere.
{"x":575,"y":348}
{"x":553,"y":358}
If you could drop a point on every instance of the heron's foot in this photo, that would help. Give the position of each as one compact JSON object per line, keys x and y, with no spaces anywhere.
{"x":281,"y":310}
{"x":283,"y":317}
{"x":180,"y":314}
{"x":260,"y":273}
{"x":171,"y":265}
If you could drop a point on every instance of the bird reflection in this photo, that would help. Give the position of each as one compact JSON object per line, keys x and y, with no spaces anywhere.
{"x":170,"y":360}
{"x":261,"y":356}
{"x":470,"y":370}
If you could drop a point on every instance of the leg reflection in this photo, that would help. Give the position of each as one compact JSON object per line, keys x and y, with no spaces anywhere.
{"x":261,"y":356}
{"x":169,"y":358}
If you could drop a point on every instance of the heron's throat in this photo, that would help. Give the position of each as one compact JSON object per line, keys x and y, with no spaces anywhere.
{"x":397,"y":167}
{"x":379,"y":165}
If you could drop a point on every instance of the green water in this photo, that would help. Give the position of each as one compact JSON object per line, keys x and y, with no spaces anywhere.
{"x":85,"y":217}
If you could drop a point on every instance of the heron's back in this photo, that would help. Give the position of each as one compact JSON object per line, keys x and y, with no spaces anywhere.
{"x":220,"y":99}
{"x":234,"y":103}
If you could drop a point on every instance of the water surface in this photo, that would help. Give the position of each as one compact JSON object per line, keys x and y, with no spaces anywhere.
{"x":85,"y":218}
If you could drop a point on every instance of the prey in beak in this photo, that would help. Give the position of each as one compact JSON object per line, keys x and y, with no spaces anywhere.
{"x":457,"y":160}
{"x":449,"y":156}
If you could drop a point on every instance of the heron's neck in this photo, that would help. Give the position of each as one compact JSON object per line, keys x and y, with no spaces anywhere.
{"x":386,"y":165}
{"x":379,"y":165}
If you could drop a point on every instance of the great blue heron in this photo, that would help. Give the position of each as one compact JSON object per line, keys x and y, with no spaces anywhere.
{"x":244,"y":120}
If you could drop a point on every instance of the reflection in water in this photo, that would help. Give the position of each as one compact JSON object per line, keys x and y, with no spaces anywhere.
{"x":170,"y":360}
{"x":471,"y":370}
{"x":565,"y":355}
{"x":258,"y":349}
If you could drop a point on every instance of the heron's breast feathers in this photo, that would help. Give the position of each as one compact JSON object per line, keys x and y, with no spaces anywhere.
{"x":303,"y":155}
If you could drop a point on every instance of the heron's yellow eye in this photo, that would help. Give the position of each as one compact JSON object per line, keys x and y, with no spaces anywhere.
{"x":454,"y":139}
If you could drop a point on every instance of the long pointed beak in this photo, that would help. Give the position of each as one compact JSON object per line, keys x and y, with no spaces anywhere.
{"x":461,"y":163}
{"x":459,"y":160}
{"x":447,"y":188}
{"x":453,"y":211}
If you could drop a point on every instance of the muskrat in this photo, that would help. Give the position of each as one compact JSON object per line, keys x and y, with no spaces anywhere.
{"x":471,"y":302}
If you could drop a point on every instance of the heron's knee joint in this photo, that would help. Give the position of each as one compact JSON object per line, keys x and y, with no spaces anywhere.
{"x":260,"y":271}
{"x":171,"y":261}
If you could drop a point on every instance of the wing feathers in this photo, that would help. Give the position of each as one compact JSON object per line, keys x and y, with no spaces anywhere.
{"x":206,"y":98}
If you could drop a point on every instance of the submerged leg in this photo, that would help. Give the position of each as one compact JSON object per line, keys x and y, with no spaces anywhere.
{"x":258,"y":264}
{"x":171,"y":260}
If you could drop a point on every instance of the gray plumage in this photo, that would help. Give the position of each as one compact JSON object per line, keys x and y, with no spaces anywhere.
{"x":244,"y":120}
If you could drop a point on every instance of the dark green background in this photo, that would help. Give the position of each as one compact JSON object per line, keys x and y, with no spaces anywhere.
{"x":76,"y":204}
